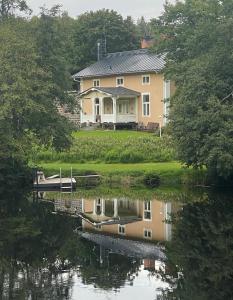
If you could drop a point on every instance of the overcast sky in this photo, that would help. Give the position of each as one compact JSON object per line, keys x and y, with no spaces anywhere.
{"x":134,"y":8}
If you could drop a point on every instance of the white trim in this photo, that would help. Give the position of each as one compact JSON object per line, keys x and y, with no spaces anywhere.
{"x":114,"y":110}
{"x":96,"y":80}
{"x":147,"y":210}
{"x":94,"y":89}
{"x":121,"y":226}
{"x":145,"y":83}
{"x":166,"y":102}
{"x":121,"y":77}
{"x":146,"y":116}
{"x":81,"y":110}
{"x":81,"y":82}
{"x":147,"y":230}
{"x":136,"y":109}
{"x":168,"y":226}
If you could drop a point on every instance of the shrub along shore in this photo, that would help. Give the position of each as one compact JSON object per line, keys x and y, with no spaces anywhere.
{"x":121,"y":157}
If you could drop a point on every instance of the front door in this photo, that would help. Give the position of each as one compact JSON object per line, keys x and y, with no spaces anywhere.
{"x":97,"y":110}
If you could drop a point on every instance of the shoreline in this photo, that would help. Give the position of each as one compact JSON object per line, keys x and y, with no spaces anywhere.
{"x":172,"y":173}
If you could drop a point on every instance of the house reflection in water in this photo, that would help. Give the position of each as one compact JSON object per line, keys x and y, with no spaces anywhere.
{"x":143,"y":220}
{"x":123,"y":226}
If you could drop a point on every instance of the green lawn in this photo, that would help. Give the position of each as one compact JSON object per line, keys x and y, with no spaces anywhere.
{"x":106,"y":146}
{"x":169,"y":172}
{"x":106,"y":169}
{"x":118,"y":155}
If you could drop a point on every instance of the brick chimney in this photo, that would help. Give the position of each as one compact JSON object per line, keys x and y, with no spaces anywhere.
{"x":147,"y":42}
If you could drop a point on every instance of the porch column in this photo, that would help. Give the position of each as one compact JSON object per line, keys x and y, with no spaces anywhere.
{"x":114,"y":112}
{"x":136,"y":109}
{"x":138,"y":208}
{"x":115,"y":208}
{"x":81,"y":110}
{"x":102,"y":207}
{"x":94,"y":208}
{"x":101,"y":109}
{"x":83,"y":205}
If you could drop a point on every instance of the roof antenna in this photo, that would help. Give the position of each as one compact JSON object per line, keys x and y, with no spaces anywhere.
{"x":98,"y":51}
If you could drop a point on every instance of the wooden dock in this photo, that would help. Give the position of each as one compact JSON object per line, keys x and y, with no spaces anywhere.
{"x":54,"y":182}
{"x":66,"y":184}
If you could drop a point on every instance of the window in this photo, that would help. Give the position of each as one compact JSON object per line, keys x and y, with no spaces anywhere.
{"x":146,"y":79}
{"x":123,"y":107}
{"x":147,"y":210}
{"x":121,"y":229}
{"x":96,"y":83}
{"x":120,"y":81}
{"x":146,"y":105}
{"x":148,"y":233}
{"x":99,"y":227}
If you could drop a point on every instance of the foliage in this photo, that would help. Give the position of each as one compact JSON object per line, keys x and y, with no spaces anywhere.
{"x":93,"y":27}
{"x":53,"y":41}
{"x":197,"y":37}
{"x":8,"y":7}
{"x":27,"y":96}
{"x":200,"y":254}
{"x":38,"y":247}
{"x":151,"y":179}
{"x":110,"y":147}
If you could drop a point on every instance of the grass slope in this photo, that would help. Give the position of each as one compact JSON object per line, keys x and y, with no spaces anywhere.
{"x":112,"y":147}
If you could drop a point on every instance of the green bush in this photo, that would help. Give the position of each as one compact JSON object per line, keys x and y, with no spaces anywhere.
{"x":151,"y":180}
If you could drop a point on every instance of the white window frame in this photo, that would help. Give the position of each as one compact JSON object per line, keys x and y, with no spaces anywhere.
{"x":145,"y":76}
{"x":147,"y":105}
{"x":96,"y":83}
{"x":145,"y":233}
{"x":147,"y":209}
{"x":120,"y":78}
{"x":120,"y":227}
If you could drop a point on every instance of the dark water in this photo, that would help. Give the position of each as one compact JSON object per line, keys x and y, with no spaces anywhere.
{"x":116,"y":244}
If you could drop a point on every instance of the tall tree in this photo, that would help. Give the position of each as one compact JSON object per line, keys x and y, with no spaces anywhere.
{"x":53,"y":41}
{"x":9,"y":7}
{"x":197,"y":37}
{"x":28,"y":107}
{"x":100,"y":26}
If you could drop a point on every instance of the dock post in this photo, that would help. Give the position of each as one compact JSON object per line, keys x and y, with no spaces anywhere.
{"x":71,"y":176}
{"x":60,"y":180}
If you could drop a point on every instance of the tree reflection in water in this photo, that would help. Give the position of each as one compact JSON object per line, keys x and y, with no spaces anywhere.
{"x":40,"y":254}
{"x":200,"y":256}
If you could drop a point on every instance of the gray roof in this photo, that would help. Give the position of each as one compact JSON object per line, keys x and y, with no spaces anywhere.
{"x":138,"y":249}
{"x":127,"y":62}
{"x":113,"y":91}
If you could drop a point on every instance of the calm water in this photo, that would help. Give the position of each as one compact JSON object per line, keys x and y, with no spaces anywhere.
{"x":116,"y":244}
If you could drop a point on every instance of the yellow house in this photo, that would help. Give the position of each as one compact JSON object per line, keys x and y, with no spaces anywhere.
{"x":125,"y":87}
{"x":142,"y":220}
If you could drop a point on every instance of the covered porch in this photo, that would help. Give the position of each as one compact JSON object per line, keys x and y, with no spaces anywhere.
{"x":109,"y":105}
